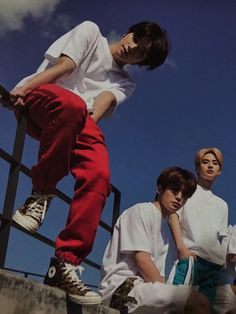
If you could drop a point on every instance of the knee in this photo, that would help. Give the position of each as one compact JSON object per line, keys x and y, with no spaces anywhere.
{"x":204,"y":304}
{"x":74,"y":108}
{"x":70,"y":106}
{"x":197,"y":303}
{"x":232,"y":311}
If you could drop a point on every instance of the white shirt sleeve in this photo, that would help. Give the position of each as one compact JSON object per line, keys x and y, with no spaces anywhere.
{"x":134,"y":232}
{"x":122,"y":92}
{"x":75,"y":44}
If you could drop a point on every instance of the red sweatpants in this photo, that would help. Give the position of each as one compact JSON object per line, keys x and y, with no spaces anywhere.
{"x":70,"y":140}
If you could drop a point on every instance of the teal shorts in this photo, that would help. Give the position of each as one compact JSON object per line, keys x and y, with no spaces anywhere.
{"x":205,"y":275}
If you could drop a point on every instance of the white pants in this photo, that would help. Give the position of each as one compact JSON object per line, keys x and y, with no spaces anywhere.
{"x":155,"y":298}
{"x":225,"y":299}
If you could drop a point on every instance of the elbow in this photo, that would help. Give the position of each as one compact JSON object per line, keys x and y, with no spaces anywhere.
{"x":66,"y":65}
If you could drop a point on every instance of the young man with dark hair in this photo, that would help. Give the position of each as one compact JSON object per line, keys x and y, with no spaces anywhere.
{"x":134,"y":260}
{"x":155,"y":38}
{"x":80,"y":81}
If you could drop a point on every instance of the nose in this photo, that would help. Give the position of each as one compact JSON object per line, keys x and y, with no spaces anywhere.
{"x":178,"y":196}
{"x":132,"y":45}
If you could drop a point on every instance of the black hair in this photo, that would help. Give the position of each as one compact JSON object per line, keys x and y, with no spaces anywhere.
{"x":177,"y":179}
{"x":160,"y":45}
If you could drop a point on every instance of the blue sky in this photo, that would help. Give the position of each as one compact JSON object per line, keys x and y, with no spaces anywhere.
{"x":187,"y":104}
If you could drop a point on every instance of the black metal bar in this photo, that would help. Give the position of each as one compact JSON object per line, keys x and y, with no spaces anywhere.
{"x":10,"y":159}
{"x":116,"y":207}
{"x":27,"y":274}
{"x":11,"y":187}
{"x":58,"y":193}
{"x":105,"y":226}
{"x":41,"y":238}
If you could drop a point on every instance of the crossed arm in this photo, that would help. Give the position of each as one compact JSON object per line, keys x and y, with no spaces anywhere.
{"x":63,"y":67}
{"x":175,"y":228}
{"x":147,"y":268}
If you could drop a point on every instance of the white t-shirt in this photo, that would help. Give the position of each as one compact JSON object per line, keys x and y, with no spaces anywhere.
{"x":139,"y":228}
{"x":204,"y":220}
{"x":96,"y":70}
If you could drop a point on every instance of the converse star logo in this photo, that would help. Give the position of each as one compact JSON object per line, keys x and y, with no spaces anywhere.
{"x":51,"y":271}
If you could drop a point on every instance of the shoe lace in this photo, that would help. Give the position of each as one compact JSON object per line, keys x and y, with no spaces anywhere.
{"x":39,"y":206}
{"x":74,"y":273}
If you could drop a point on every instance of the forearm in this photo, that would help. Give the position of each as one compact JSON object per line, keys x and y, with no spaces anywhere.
{"x":175,"y":228}
{"x":62,"y":68}
{"x":102,"y":103}
{"x":147,"y":268}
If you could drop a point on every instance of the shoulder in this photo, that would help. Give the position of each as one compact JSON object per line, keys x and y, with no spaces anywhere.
{"x":220,"y":201}
{"x":136,"y":209}
{"x":142,"y":212}
{"x":87,"y":29}
{"x":89,"y":26}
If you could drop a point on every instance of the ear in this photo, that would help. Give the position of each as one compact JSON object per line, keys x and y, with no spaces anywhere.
{"x":159,"y":189}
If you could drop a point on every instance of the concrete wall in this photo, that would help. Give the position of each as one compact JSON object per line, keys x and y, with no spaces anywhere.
{"x":19,"y":295}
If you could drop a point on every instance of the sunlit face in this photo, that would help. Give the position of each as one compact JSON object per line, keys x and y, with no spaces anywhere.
{"x":209,"y":167}
{"x":129,"y":51}
{"x":171,"y":201}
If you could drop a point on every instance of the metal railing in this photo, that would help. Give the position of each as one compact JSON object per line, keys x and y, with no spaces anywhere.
{"x":16,"y":166}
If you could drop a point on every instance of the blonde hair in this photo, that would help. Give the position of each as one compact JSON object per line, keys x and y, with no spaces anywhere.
{"x":203,"y":151}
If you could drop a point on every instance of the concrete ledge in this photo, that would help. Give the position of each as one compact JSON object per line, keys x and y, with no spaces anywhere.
{"x":19,"y":295}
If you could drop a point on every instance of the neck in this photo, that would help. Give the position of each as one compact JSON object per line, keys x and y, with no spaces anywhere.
{"x":160,"y":208}
{"x":206,"y":184}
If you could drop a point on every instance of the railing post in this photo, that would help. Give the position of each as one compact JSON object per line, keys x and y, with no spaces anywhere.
{"x":116,"y":207}
{"x":12,"y":187}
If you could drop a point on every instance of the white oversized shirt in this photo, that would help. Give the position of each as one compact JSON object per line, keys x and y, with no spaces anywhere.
{"x":96,"y":70}
{"x":139,"y":228}
{"x":204,"y":221}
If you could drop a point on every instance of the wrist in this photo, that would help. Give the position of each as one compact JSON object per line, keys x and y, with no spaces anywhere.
{"x":181,"y":248}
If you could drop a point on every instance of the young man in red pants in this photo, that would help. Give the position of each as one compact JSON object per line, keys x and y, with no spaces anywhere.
{"x":80,"y":81}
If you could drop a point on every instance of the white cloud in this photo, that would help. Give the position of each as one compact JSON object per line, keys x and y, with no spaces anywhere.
{"x":13,"y":12}
{"x":62,"y":22}
{"x":171,"y":63}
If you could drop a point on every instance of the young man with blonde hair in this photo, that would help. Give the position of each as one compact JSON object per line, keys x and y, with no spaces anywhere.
{"x":200,"y":227}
